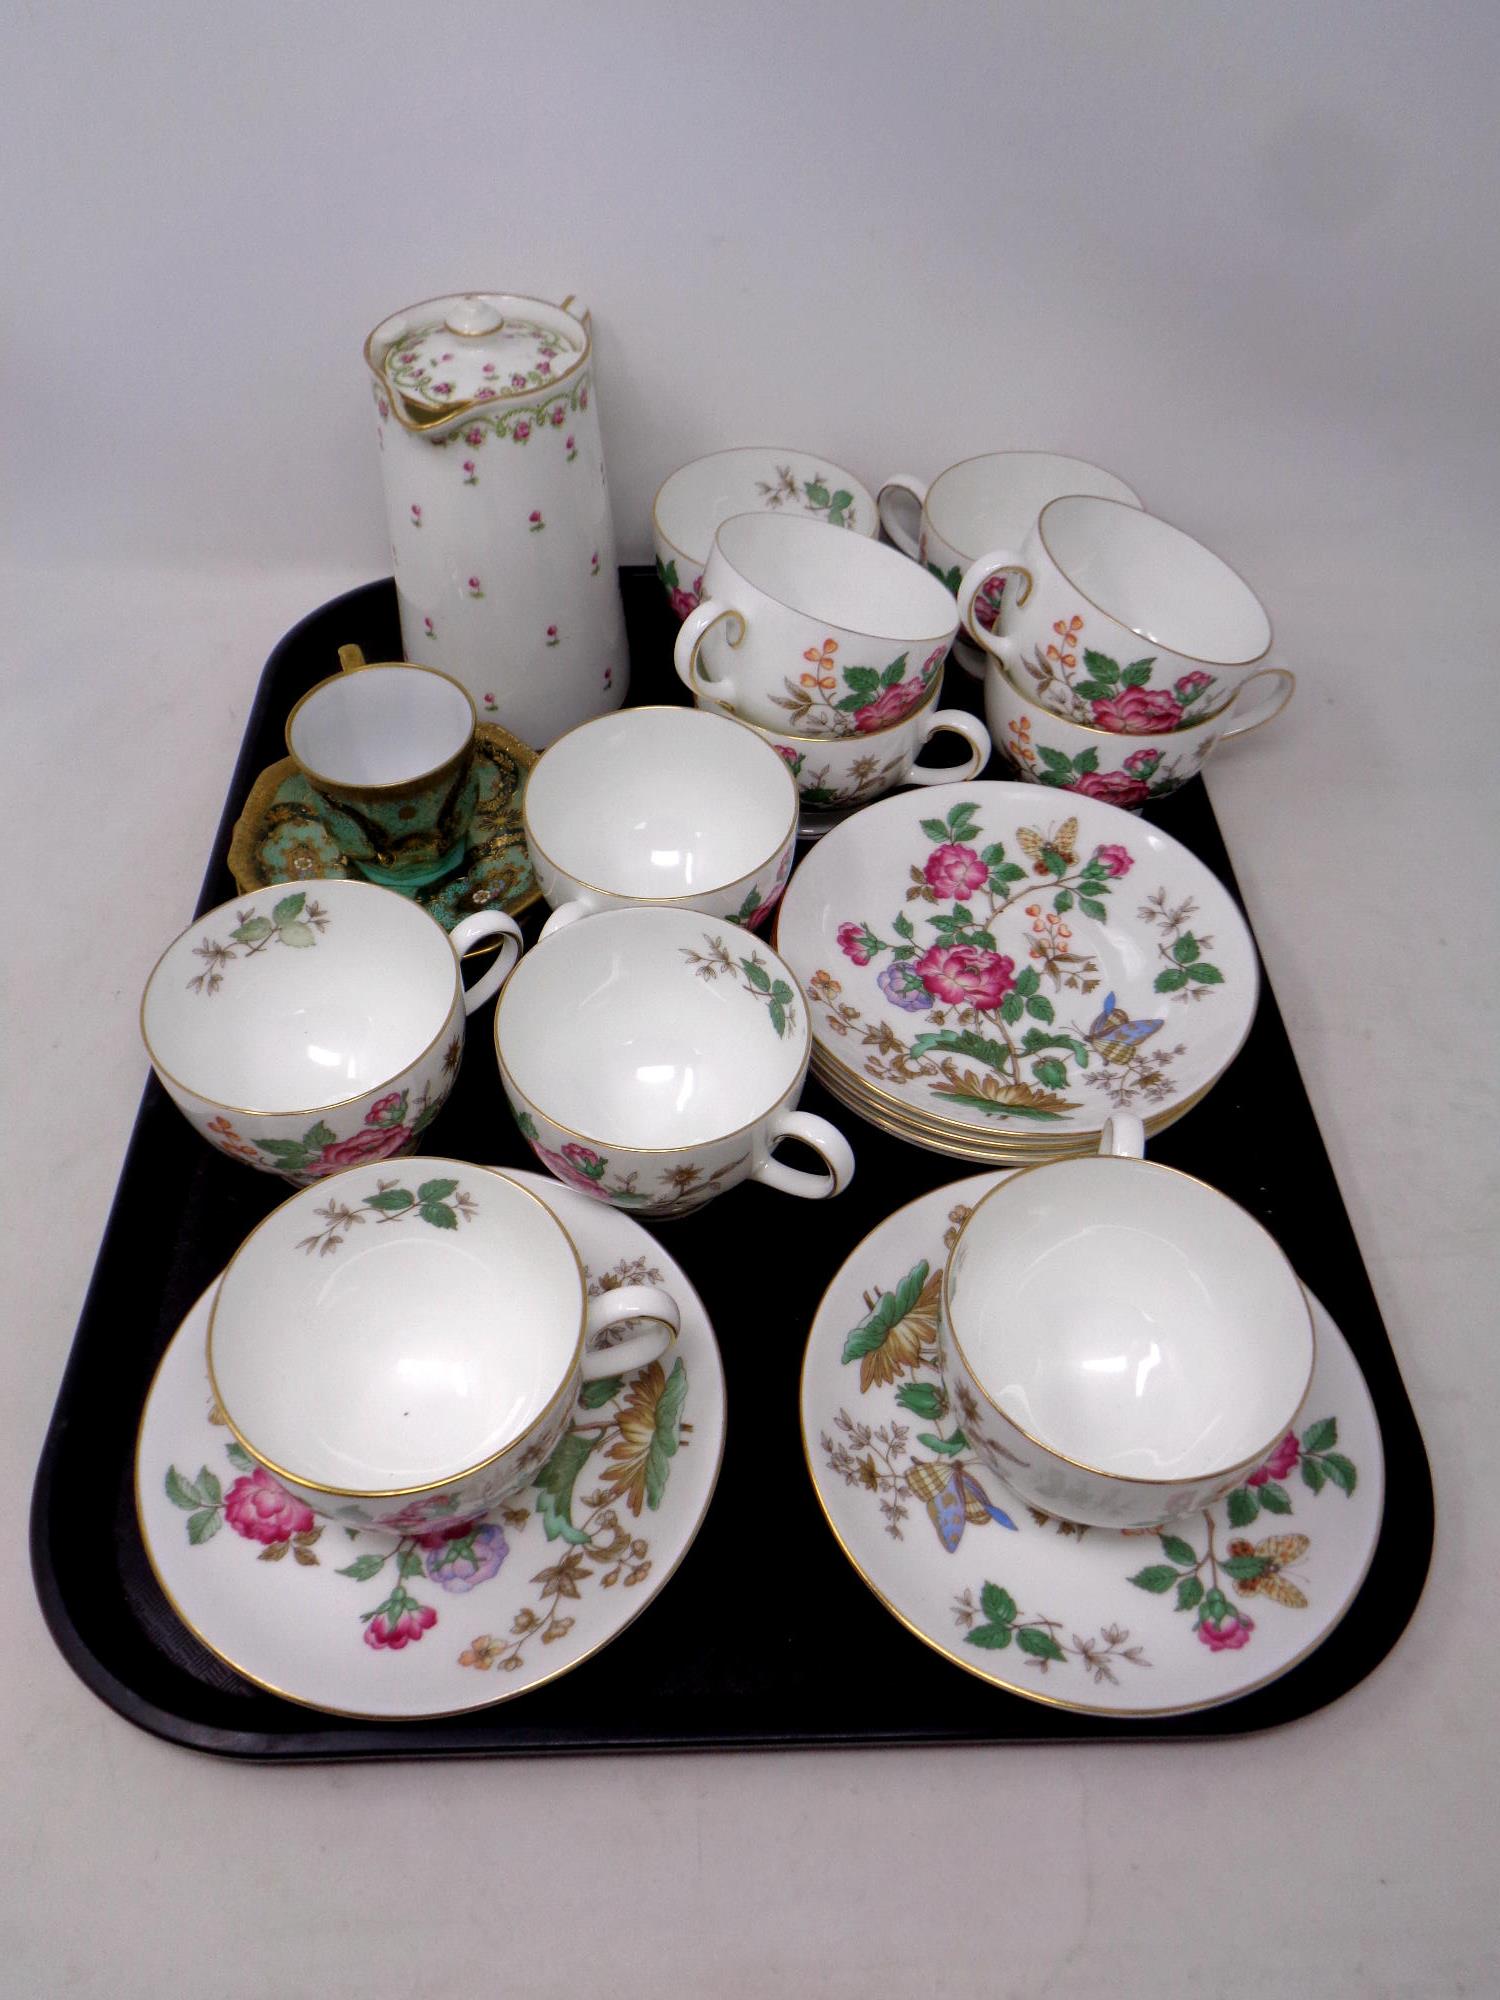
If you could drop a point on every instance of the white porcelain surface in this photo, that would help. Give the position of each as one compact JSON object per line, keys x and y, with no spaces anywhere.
{"x":1059,"y":960}
{"x":360,"y":1625}
{"x":802,"y":625}
{"x":385,"y":724}
{"x":1123,"y":619}
{"x":304,"y":1030}
{"x":661,"y":805}
{"x":692,"y":501}
{"x":653,"y":1057}
{"x":1142,"y":1340}
{"x":411,"y":1341}
{"x":1218,"y":1601}
{"x":987,"y":502}
{"x":499,"y":518}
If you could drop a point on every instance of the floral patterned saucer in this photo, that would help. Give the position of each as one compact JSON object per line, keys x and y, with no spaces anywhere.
{"x":283,"y":835}
{"x":1151,"y":1622}
{"x":981,"y":961}
{"x":363,"y":1626}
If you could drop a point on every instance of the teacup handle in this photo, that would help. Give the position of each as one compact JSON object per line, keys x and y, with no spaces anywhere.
{"x":1122,"y":1136}
{"x":974,"y":733}
{"x":628,"y":1302}
{"x":826,"y":1140}
{"x":906,"y":538}
{"x":473,"y":930}
{"x":351,"y":659}
{"x":690,"y":636}
{"x":975,"y":577}
{"x":1270,"y":705}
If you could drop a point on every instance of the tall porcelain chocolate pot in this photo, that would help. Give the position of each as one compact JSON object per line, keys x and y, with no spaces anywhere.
{"x":501,"y":534}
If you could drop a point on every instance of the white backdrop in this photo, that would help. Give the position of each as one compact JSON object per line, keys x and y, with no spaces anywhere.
{"x":1244,"y":255}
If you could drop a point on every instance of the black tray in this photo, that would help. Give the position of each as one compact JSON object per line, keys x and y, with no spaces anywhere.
{"x":731,"y":1654}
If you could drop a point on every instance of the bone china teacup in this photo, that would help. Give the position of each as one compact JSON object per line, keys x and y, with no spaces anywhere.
{"x":653,"y":1057}
{"x":306,"y":1030}
{"x":1123,"y":1343}
{"x":660,"y":805}
{"x":402,"y":1348}
{"x":389,"y":750}
{"x":1118,"y":618}
{"x":801,"y":624}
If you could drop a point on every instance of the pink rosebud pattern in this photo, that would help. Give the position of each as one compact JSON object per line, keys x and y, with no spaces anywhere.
{"x":1116,"y":860}
{"x":535,"y":522}
{"x":474,"y":588}
{"x":401,"y":1629}
{"x":854,"y":940}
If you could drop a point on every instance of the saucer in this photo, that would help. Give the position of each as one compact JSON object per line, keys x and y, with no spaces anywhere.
{"x":981,"y":957}
{"x":283,"y":835}
{"x":1149,"y":1622}
{"x":357,"y":1625}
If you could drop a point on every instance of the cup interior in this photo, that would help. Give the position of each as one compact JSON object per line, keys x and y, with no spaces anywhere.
{"x":337,"y":987}
{"x":659,"y":803}
{"x":411,"y":1353}
{"x":643,"y":1028}
{"x":384,"y":725}
{"x":693,"y":500}
{"x":837,"y":578}
{"x":993,"y":501}
{"x":1131,"y":1319}
{"x":1155,"y":579}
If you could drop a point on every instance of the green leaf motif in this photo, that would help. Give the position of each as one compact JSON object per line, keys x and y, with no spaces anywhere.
{"x":364,"y":1567}
{"x":1062,"y":902}
{"x":950,"y":578}
{"x":923,"y":1399}
{"x":757,"y":975}
{"x":1039,"y":1007}
{"x":993,"y":855}
{"x":555,"y":1483}
{"x":1086,"y":762}
{"x":667,"y":572}
{"x":1101,"y":665}
{"x":1189,"y":1593}
{"x":1028,"y":979}
{"x":300,"y":936}
{"x":410,"y":1564}
{"x":997,"y":1605}
{"x":1340,"y":1471}
{"x":1091,"y":908}
{"x":1313,"y":1475}
{"x":902,"y":927}
{"x":391,"y":1201}
{"x":1274,"y":1498}
{"x":778,"y":1017}
{"x":1055,"y":760}
{"x":892,"y":1306}
{"x":1156,"y":1577}
{"x":817,"y":493}
{"x":864,"y":680}
{"x":1050,"y":1073}
{"x":782,"y":992}
{"x":1094,"y":690}
{"x":1322,"y":1435}
{"x":319,"y":1136}
{"x":1053,"y":862}
{"x":239,"y":1458}
{"x":209,"y":1487}
{"x":1244,"y":1567}
{"x":1244,"y":1505}
{"x":934,"y":829}
{"x":895,"y":672}
{"x":526,"y":1125}
{"x":1172,"y":980}
{"x":253,"y":930}
{"x":181,"y":1492}
{"x":596,"y":1394}
{"x":203,"y":1527}
{"x":1176,"y":1550}
{"x":436,"y":1190}
{"x":1040,"y":1645}
{"x":1186,"y":949}
{"x":838,"y":507}
{"x":945,"y":1447}
{"x":1206,"y":974}
{"x":287,"y":908}
{"x":965,"y":1042}
{"x":993,"y":1638}
{"x":1138,"y":673}
{"x":1011,"y":1009}
{"x":664,"y":1440}
{"x":440,"y":1216}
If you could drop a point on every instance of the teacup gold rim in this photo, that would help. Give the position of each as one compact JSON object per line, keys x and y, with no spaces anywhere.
{"x":983,"y":457}
{"x":380,"y":1494}
{"x":448,"y":767}
{"x":700,"y":563}
{"x":1184,"y":730}
{"x":333,"y":1104}
{"x":1030,"y":1692}
{"x":380,"y":1715}
{"x":1149,"y":638}
{"x":444,"y":414}
{"x":912,"y":715}
{"x":688,"y":902}
{"x":943,"y":639}
{"x":1242,"y":1462}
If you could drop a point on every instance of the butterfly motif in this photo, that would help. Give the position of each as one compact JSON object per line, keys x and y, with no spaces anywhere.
{"x":1278,"y":1553}
{"x":1035,"y":846}
{"x":954,"y":1497}
{"x":1115,"y":1035}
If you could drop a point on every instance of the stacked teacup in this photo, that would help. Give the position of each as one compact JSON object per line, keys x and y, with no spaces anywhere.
{"x":831,"y":648}
{"x":1120,"y":654}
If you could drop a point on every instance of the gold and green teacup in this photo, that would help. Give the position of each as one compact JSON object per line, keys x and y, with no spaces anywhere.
{"x":389,"y":750}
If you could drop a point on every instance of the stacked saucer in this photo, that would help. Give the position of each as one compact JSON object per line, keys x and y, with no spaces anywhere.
{"x":991,"y":974}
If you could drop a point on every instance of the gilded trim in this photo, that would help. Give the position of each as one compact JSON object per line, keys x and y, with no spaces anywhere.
{"x":437,"y":416}
{"x":448,"y":768}
{"x":813,"y":617}
{"x":772,"y":451}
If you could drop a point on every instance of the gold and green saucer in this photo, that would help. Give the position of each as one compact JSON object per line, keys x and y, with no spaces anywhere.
{"x":286,"y":834}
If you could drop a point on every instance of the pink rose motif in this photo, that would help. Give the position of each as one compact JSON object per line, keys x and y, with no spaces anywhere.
{"x":966,"y":975}
{"x":567,"y":1172}
{"x":474,"y":436}
{"x":890,"y":705}
{"x":429,"y":628}
{"x":544,"y":368}
{"x":550,"y":352}
{"x":522,"y":431}
{"x":1116,"y":859}
{"x":1137,"y":711}
{"x":1282,"y":1461}
{"x":1226,"y":1632}
{"x":585,"y":1159}
{"x":570,"y":448}
{"x":854,"y":942}
{"x":409,"y":1626}
{"x":469,"y":468}
{"x":262,"y":1510}
{"x":535,"y":517}
{"x":384,"y":407}
{"x":583,"y":397}
{"x":792,"y":757}
{"x":987,"y":603}
{"x":375,"y":1142}
{"x":955,"y":871}
{"x":413,"y":1518}
{"x":933,"y":661}
{"x":388,"y":1110}
{"x":559,"y":417}
{"x":551,"y":635}
{"x":488,"y":368}
{"x":518,"y":381}
{"x":1190,"y":686}
{"x":1114,"y":787}
{"x":416,"y":515}
{"x":1141,"y":763}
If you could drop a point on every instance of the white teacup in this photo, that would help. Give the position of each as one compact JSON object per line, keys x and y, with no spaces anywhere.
{"x":1118,"y":618}
{"x":305,"y":1030}
{"x":653,"y":1058}
{"x":402,"y":1349}
{"x":983,"y":503}
{"x":804,"y":625}
{"x":660,"y":805}
{"x":1123,"y":1343}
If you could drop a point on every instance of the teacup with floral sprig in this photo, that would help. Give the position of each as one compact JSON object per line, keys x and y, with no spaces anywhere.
{"x":401,"y":1348}
{"x":653,"y":1058}
{"x":1101,"y":759}
{"x":802,"y":625}
{"x":305,"y":1030}
{"x":1114,"y":617}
